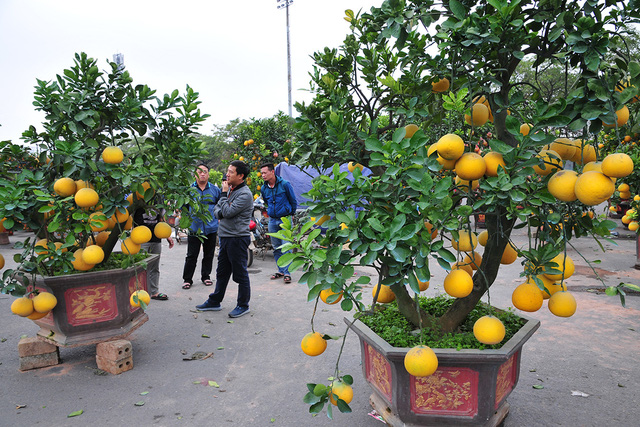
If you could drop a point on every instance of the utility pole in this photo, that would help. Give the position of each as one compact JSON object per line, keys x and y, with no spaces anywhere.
{"x":284,"y":4}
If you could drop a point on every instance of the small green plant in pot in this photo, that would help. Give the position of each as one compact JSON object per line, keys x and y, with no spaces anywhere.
{"x":107,"y":148}
{"x":380,"y":101}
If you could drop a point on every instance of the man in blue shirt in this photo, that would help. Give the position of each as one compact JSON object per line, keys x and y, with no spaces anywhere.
{"x":281,"y":201}
{"x":208,"y":195}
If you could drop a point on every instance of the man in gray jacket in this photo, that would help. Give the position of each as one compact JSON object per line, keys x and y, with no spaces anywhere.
{"x":234,"y":210}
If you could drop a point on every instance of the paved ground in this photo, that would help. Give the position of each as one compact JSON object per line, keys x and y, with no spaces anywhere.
{"x":261,"y":371}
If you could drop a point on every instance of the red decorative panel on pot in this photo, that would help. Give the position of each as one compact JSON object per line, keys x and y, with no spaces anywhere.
{"x":378,"y":371}
{"x":449,"y":391}
{"x":91,"y":304}
{"x":507,"y":375}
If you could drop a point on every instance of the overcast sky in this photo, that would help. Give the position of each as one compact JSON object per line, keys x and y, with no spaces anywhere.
{"x":232,"y":52}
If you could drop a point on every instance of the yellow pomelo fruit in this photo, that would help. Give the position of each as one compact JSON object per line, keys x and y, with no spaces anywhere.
{"x":326,"y":293}
{"x":562,"y":304}
{"x":145,"y":186}
{"x":44,"y":302}
{"x":592,"y":166}
{"x":470,"y":166}
{"x":41,"y":247}
{"x":622,"y":116}
{"x":78,"y":262}
{"x":129,"y":247}
{"x":162,"y":230}
{"x":625,"y":195}
{"x":593,"y":188}
{"x":86,"y":198}
{"x":441,"y":85}
{"x":564,"y":147}
{"x":410,"y":130}
{"x":527,"y":297}
{"x":98,"y":221}
{"x":450,"y":147}
{"x":479,"y":115}
{"x":459,"y":265}
{"x":36,"y":315}
{"x":552,"y":162}
{"x":473,"y":259}
{"x":82,"y":184}
{"x":458,"y":283}
{"x":141,"y":296}
{"x":633,"y":225}
{"x":64,"y":187}
{"x":467,"y":241}
{"x":510,"y":254}
{"x":423,"y":286}
{"x":585,"y":155}
{"x":421,"y":361}
{"x":617,"y":165}
{"x":352,"y":166}
{"x":112,"y":155}
{"x":22,"y":306}
{"x":342,"y":390}
{"x":625,"y":219}
{"x":493,"y":160}
{"x":322,"y":220}
{"x":1,"y":261}
{"x":313,"y":344}
{"x":483,"y":237}
{"x":141,"y":234}
{"x":119,"y":216}
{"x":552,"y":288}
{"x":385,"y":296}
{"x":93,"y":254}
{"x":623,"y":187}
{"x":102,"y":237}
{"x":562,"y":185}
{"x":525,"y":128}
{"x":564,"y":264}
{"x":489,"y":330}
{"x":466,"y":185}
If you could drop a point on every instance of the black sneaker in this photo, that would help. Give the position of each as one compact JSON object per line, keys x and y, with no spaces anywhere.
{"x":239,"y":311}
{"x":208,"y":306}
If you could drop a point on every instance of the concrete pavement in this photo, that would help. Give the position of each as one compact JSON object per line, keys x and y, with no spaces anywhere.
{"x":587,"y":364}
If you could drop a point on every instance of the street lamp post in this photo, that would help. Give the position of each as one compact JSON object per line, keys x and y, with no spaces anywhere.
{"x":284,"y":4}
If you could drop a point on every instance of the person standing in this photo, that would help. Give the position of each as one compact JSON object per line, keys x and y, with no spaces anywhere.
{"x":208,"y":196}
{"x":281,"y":201}
{"x":234,"y":210}
{"x":151,"y":218}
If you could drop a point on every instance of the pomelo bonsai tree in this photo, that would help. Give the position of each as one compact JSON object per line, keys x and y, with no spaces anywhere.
{"x":428,"y":96}
{"x":106,"y":148}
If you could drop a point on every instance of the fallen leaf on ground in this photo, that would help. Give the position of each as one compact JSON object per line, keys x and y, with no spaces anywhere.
{"x":20,"y":406}
{"x":144,"y":393}
{"x":213,"y":384}
{"x":75,"y":413}
{"x":141,"y":403}
{"x":538,"y":387}
{"x":198,"y":355}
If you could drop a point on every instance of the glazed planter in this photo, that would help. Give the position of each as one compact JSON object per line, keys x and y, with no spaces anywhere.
{"x":94,"y":306}
{"x":469,"y":388}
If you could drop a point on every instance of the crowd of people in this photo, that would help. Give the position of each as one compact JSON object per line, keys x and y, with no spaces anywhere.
{"x":230,"y":210}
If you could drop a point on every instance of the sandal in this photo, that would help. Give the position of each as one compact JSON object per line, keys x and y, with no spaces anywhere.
{"x":186,"y":285}
{"x":287,"y":278}
{"x":160,"y":296}
{"x":207,"y":282}
{"x":276,"y":276}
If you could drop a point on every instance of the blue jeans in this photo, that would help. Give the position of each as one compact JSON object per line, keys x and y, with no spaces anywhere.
{"x":232,"y":259}
{"x":274,"y":227}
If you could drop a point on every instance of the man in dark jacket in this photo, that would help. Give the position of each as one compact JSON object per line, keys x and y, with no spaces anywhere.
{"x":234,"y":210}
{"x":208,"y":194}
{"x":281,"y":201}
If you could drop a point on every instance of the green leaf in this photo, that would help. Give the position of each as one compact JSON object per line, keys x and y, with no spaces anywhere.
{"x":213,"y":384}
{"x":538,"y":386}
{"x":459,"y":11}
{"x":75,"y":413}
{"x":141,"y":403}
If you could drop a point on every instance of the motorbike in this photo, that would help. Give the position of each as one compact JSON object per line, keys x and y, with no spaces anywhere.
{"x":259,"y":227}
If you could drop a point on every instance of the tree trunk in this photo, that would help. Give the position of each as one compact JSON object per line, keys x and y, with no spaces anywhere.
{"x":499,"y":228}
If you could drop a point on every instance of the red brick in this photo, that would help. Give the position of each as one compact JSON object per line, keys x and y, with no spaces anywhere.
{"x":39,"y":361}
{"x":114,"y":350}
{"x":34,"y":346}
{"x":115,"y":367}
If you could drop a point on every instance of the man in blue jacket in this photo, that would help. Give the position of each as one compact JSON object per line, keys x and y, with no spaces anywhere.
{"x":281,"y":201}
{"x":208,"y":195}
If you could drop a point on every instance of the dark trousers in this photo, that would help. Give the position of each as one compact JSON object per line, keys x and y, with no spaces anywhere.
{"x":193,"y":250}
{"x":232,"y":259}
